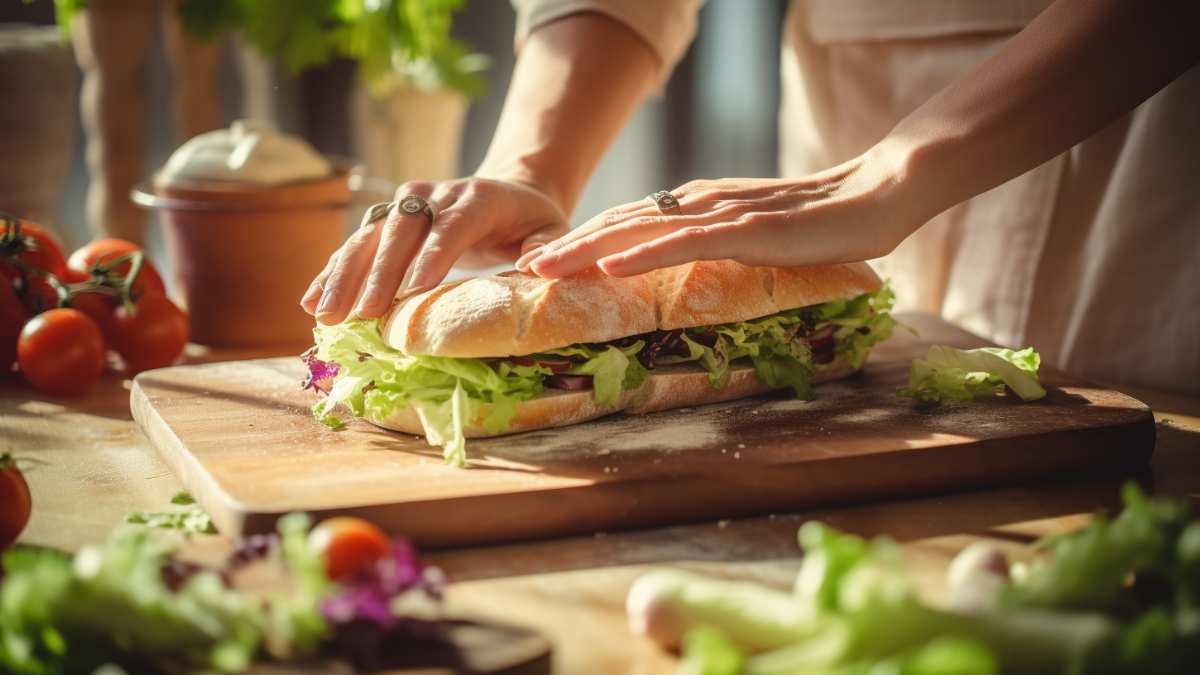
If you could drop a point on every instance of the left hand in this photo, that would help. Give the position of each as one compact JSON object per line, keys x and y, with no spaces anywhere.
{"x":855,"y":211}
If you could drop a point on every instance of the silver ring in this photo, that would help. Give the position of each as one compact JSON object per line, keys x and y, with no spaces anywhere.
{"x":665,"y":201}
{"x":414,"y":204}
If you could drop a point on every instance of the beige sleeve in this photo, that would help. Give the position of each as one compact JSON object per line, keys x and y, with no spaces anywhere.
{"x":667,"y":26}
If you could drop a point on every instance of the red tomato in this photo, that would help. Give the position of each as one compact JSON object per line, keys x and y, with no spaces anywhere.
{"x":152,"y":335}
{"x":101,"y":251}
{"x":348,"y":545}
{"x":99,"y":307}
{"x":33,"y":245}
{"x":61,"y":352}
{"x":15,"y":502}
{"x":38,"y":294}
{"x":12,"y":318}
{"x":74,"y":276}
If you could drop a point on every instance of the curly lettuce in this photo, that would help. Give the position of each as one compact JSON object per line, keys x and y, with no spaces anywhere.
{"x":949,"y":374}
{"x":447,"y":394}
{"x":376,"y":380}
{"x":770,"y":342}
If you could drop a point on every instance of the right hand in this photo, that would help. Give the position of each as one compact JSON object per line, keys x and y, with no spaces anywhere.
{"x":491,"y":220}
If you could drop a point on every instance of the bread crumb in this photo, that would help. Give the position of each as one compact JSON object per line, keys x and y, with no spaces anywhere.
{"x":742,"y":445}
{"x":722,"y":451}
{"x":737,"y":455}
{"x":722,"y":524}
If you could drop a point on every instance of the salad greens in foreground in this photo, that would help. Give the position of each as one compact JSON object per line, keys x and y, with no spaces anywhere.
{"x":361,"y":372}
{"x":129,"y":605}
{"x":1121,"y":596}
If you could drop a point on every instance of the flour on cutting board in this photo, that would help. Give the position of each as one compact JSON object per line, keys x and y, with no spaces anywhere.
{"x":610,"y":435}
{"x":662,"y":432}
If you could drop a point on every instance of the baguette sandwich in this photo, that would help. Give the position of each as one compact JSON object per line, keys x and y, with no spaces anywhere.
{"x":515,"y":352}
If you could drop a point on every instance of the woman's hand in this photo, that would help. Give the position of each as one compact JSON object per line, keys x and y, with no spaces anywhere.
{"x":855,"y":211}
{"x":493,"y":220}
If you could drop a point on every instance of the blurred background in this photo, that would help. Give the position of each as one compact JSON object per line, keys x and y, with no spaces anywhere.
{"x":716,"y":117}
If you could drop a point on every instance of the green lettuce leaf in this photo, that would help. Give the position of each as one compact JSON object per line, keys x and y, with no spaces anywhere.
{"x":948,"y":374}
{"x":613,"y":369}
{"x":376,"y":380}
{"x":862,"y":323}
{"x":61,"y":615}
{"x":770,"y":342}
{"x":449,"y":393}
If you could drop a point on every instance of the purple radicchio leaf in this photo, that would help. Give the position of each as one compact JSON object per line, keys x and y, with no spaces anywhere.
{"x":320,"y":373}
{"x":368,"y":596}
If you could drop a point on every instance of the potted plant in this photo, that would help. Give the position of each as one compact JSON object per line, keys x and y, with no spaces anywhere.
{"x":414,"y":77}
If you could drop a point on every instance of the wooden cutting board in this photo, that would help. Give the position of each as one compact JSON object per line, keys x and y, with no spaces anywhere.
{"x":241,"y":438}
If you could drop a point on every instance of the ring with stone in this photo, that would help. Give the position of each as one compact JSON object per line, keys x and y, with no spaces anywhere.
{"x":665,"y":201}
{"x":414,"y":204}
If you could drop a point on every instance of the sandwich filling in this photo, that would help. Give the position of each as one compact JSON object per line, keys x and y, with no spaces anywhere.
{"x":353,"y":366}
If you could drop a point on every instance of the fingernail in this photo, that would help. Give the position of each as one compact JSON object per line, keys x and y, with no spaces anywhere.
{"x":530,"y":255}
{"x":544,"y":259}
{"x":309,"y":294}
{"x":410,"y":290}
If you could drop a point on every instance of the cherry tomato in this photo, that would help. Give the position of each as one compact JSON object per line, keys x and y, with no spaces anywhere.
{"x":37,"y":293}
{"x":152,"y":335}
{"x":15,"y":502}
{"x":348,"y":545}
{"x":33,"y":245}
{"x":99,"y":307}
{"x":101,"y":251}
{"x":74,"y":276}
{"x":61,"y":352}
{"x":12,"y":318}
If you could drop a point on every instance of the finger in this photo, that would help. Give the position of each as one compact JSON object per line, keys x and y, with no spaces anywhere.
{"x":345,"y":280}
{"x":606,"y":218}
{"x":712,"y":242}
{"x":583,"y":253}
{"x":455,"y":230}
{"x":315,"y":289}
{"x":402,"y":239}
{"x":398,"y":244}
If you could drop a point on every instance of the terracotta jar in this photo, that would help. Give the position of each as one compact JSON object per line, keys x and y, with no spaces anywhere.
{"x":243,"y":254}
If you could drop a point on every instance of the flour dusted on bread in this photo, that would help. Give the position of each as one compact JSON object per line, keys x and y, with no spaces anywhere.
{"x":514,"y":314}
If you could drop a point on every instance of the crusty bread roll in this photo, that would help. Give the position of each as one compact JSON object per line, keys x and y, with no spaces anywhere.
{"x":666,"y":388}
{"x":514,"y":314}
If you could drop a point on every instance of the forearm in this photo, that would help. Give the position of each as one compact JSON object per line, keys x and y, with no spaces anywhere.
{"x":575,"y":83}
{"x":1079,"y":66}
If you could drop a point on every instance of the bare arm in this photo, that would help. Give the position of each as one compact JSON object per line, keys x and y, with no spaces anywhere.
{"x":1076,"y":68}
{"x":576,"y":82}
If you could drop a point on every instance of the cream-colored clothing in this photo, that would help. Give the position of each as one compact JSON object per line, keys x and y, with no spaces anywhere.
{"x":1092,"y":257}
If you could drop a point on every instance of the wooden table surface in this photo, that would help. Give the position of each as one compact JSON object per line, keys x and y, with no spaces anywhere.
{"x":88,"y":466}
